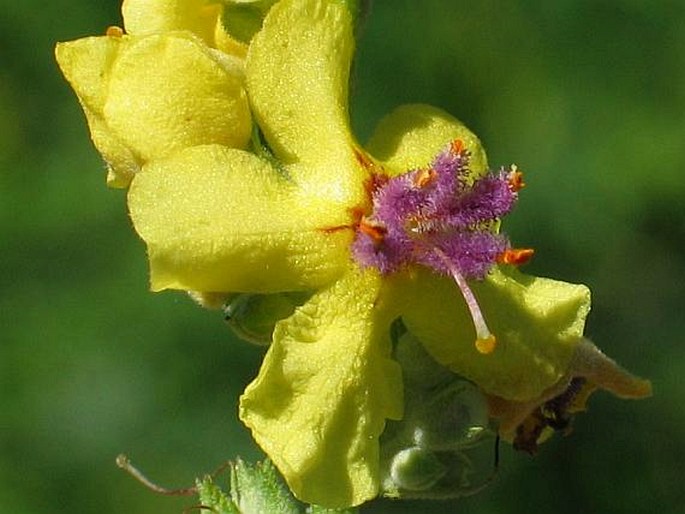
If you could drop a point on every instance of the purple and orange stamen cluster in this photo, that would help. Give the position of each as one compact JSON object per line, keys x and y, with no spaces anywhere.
{"x":443,"y":218}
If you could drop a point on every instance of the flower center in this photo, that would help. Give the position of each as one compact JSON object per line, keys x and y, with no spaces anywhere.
{"x":442,"y":218}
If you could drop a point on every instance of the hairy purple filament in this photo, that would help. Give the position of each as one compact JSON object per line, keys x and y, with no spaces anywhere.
{"x":442,"y":218}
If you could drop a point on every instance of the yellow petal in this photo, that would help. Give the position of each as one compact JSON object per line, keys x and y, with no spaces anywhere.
{"x":202,"y":17}
{"x":412,"y":135}
{"x":325,"y":388}
{"x":297,"y":76}
{"x":86,"y":64}
{"x":521,"y":421}
{"x":590,"y":363}
{"x":222,"y":220}
{"x":170,"y":92}
{"x":143,"y":17}
{"x":538,"y":324}
{"x":147,"y":97}
{"x":122,"y":164}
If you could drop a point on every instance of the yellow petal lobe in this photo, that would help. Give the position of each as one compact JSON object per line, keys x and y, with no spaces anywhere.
{"x":146,"y":97}
{"x":326,"y":386}
{"x":538,"y":323}
{"x":297,"y":76}
{"x":144,"y":17}
{"x":170,"y":92}
{"x":412,"y":135}
{"x":222,"y":220}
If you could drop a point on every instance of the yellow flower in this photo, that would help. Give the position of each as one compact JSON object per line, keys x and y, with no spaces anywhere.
{"x":156,"y":91}
{"x":219,"y":219}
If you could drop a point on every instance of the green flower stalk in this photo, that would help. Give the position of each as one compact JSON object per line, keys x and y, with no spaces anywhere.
{"x":247,"y":185}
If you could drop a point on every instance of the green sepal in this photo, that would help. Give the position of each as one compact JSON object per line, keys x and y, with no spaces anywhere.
{"x":242,"y":20}
{"x":443,"y":446}
{"x":252,"y":317}
{"x":416,"y":469}
{"x":258,"y":488}
{"x":213,"y":497}
{"x":255,"y":489}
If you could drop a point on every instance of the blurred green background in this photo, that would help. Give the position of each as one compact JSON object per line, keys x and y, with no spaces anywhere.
{"x":588,"y":97}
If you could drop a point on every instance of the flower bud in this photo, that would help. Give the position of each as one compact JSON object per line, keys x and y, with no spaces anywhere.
{"x":253,"y":316}
{"x":416,"y":469}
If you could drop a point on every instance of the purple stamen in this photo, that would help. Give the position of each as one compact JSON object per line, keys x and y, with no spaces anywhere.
{"x":441,"y":218}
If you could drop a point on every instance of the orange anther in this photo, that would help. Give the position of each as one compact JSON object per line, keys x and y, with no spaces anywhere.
{"x":424,"y":177}
{"x":515,"y":177}
{"x":375,"y":232}
{"x":357,"y":213}
{"x":516,"y":256}
{"x":457,"y":146}
{"x":114,"y":31}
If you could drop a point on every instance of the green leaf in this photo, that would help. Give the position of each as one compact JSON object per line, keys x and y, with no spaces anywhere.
{"x":211,"y":496}
{"x":258,"y":489}
{"x":255,"y":489}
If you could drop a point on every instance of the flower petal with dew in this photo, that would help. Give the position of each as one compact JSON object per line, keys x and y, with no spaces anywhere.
{"x":142,"y":101}
{"x":406,"y":230}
